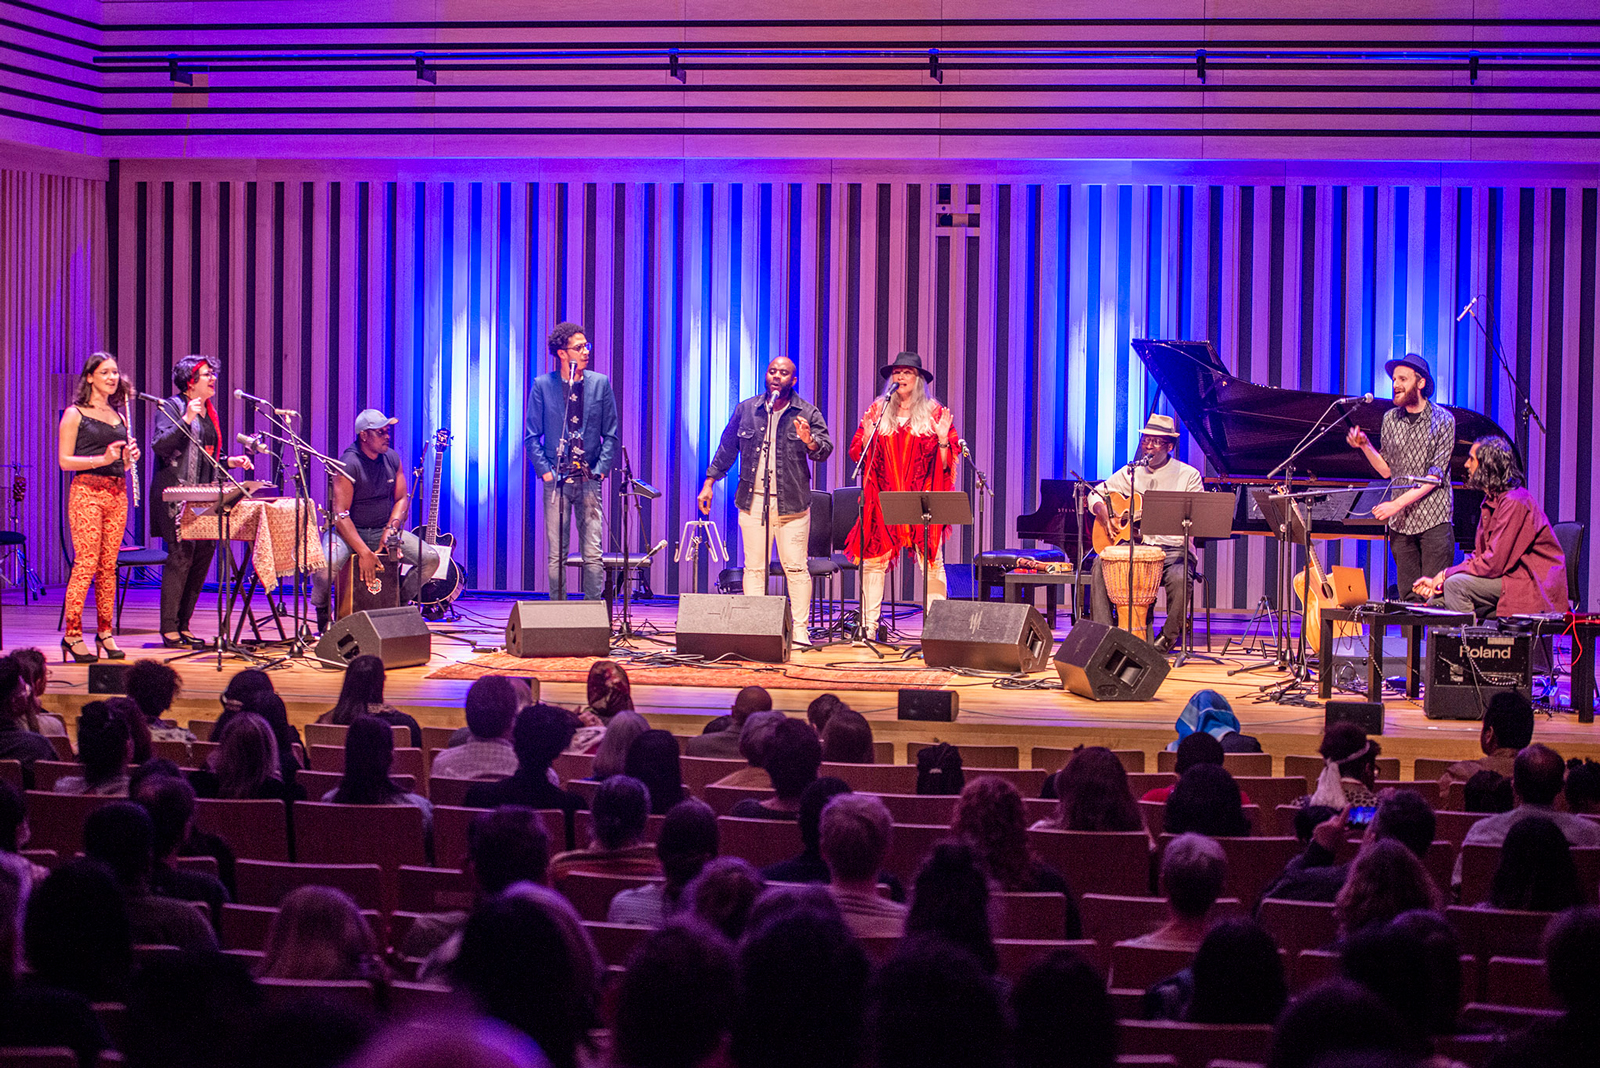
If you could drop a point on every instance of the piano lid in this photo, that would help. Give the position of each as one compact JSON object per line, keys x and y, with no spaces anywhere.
{"x":1246,"y":429}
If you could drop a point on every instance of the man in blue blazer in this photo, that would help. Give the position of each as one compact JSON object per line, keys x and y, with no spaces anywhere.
{"x":572,"y":431}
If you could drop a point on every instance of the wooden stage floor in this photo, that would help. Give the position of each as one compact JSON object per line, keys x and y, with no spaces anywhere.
{"x":1024,"y":718}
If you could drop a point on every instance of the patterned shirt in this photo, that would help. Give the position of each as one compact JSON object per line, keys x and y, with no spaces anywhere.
{"x":1419,"y":446}
{"x":478,"y":759}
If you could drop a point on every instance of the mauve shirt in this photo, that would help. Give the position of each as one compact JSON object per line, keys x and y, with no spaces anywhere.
{"x":1515,"y":543}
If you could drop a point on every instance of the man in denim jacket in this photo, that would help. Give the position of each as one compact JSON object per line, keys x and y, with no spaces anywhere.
{"x":572,"y":428}
{"x":775,"y":437}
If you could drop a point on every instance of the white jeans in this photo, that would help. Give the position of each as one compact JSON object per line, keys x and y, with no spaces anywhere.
{"x":872,"y":575}
{"x":793,"y":536}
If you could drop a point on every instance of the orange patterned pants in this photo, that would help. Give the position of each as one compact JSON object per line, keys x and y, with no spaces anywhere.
{"x":97,"y":515}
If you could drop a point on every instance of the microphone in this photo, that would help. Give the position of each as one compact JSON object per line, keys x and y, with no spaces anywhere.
{"x":772,"y":398}
{"x":147,"y":397}
{"x":1467,"y":309}
{"x":281,"y":413}
{"x":1365,"y":398}
{"x":252,"y":442}
{"x":888,"y":391}
{"x":961,"y":443}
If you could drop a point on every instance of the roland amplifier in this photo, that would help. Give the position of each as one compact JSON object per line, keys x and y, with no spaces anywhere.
{"x":1469,"y":665}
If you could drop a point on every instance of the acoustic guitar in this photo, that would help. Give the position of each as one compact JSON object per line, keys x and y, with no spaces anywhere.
{"x":1121,"y":523}
{"x":434,"y":592}
{"x":1324,"y":594}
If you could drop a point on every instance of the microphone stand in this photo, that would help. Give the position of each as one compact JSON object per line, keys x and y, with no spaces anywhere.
{"x":980,"y":483}
{"x":860,"y":632}
{"x":1080,"y":491}
{"x":1525,"y":408}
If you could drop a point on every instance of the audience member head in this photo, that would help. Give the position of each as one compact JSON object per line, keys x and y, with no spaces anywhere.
{"x":855,"y":837}
{"x":1488,"y":791}
{"x":1308,"y":817}
{"x":847,"y":739}
{"x":1093,"y":795}
{"x":169,"y":799}
{"x":621,"y":810}
{"x":950,"y":900}
{"x":1413,"y":963}
{"x":1536,"y":870}
{"x":362,"y":689}
{"x":139,"y":740}
{"x":939,"y":771}
{"x":1350,"y":753}
{"x":793,"y":759}
{"x":804,"y":987}
{"x":723,"y":893}
{"x":506,"y":846}
{"x":932,"y":1005}
{"x":1206,"y":800}
{"x":368,"y":755}
{"x":1407,"y":818}
{"x":755,"y":737}
{"x":1571,"y":946}
{"x":526,"y":959}
{"x":154,"y":768}
{"x":821,"y":709}
{"x":609,"y":690}
{"x":492,"y":704}
{"x":1385,"y":880}
{"x":1335,"y":1017}
{"x":269,"y":706}
{"x":76,"y":934}
{"x":611,"y":757}
{"x":990,"y":818}
{"x":539,"y":735}
{"x":653,"y":760}
{"x":1193,"y":871}
{"x":1537,"y":775}
{"x":675,"y":1004}
{"x":153,"y":685}
{"x":1198,"y":748}
{"x":1238,"y":975}
{"x":460,"y":1042}
{"x":319,"y":933}
{"x":121,"y":836}
{"x":687,"y":844}
{"x":12,"y":690}
{"x":247,"y":758}
{"x":813,"y":799}
{"x":747,"y":700}
{"x":1583,"y":787}
{"x":241,"y":685}
{"x":35,"y":670}
{"x":103,"y":743}
{"x":1063,"y":1015}
{"x":1508,"y":721}
{"x":13,"y":819}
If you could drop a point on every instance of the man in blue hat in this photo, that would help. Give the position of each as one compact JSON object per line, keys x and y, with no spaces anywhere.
{"x":1414,"y":453}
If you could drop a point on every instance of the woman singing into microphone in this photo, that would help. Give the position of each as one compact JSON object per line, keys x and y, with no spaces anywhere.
{"x":182,"y":462}
{"x":93,"y":443}
{"x":915,"y":448}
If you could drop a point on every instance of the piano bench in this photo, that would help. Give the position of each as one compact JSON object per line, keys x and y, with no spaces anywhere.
{"x":992,"y":566}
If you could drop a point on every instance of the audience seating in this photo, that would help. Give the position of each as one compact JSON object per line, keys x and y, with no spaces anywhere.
{"x":1029,"y":915}
{"x":1266,"y":793}
{"x":11,"y":772}
{"x":883,"y":752}
{"x":246,"y":926}
{"x":45,"y":858}
{"x":1035,"y":809}
{"x":573,"y":765}
{"x":47,"y":772}
{"x":1481,"y":1018}
{"x":700,"y":772}
{"x":875,"y":778}
{"x":1488,"y":932}
{"x":57,"y":819}
{"x":254,"y":830}
{"x":265,"y":882}
{"x":1095,"y":862}
{"x":615,"y":941}
{"x":1112,"y":918}
{"x":1452,"y":827}
{"x":407,"y":761}
{"x":591,"y":892}
{"x":354,"y":995}
{"x":1519,"y":981}
{"x":1154,"y":815}
{"x":1475,"y":1051}
{"x":909,"y":846}
{"x":920,"y":808}
{"x":450,"y":832}
{"x":319,"y":783}
{"x":1253,"y":864}
{"x":433,"y":889}
{"x":446,"y":790}
{"x":315,"y":734}
{"x":1197,"y":1045}
{"x":1299,"y":925}
{"x":1053,"y":758}
{"x":183,"y":754}
{"x":1138,"y":967}
{"x":1254,"y":764}
{"x":1309,"y":768}
{"x":201,"y":728}
{"x":1142,"y":782}
{"x":386,"y":835}
{"x":1028,"y":781}
{"x":436,"y":737}
{"x":1017,"y":955}
{"x":1432,"y":768}
{"x":408,"y":999}
{"x":62,"y":745}
{"x":1478,"y":864}
{"x":583,"y":829}
{"x":761,"y":842}
{"x":972,"y":756}
{"x":584,"y":788}
{"x":880,"y":948}
{"x":723,"y":798}
{"x":1428,"y":788}
{"x":40,"y":1057}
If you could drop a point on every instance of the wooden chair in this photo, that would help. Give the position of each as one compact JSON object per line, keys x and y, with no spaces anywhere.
{"x":1142,"y":782}
{"x":445,"y":790}
{"x":875,"y":778}
{"x":433,"y":889}
{"x":920,"y":808}
{"x":265,"y":882}
{"x":1312,"y":966}
{"x":450,"y":825}
{"x":1429,"y":789}
{"x":386,"y":835}
{"x":583,"y":828}
{"x":761,"y":842}
{"x":573,"y":765}
{"x":1029,"y":915}
{"x":1197,"y":1045}
{"x":1017,"y":955}
{"x":1154,"y":816}
{"x":1309,"y":768}
{"x":1254,"y":863}
{"x":407,"y":760}
{"x":1258,"y":765}
{"x":409,"y":1000}
{"x":437,"y":737}
{"x":46,"y":773}
{"x":354,"y":995}
{"x":63,"y":747}
{"x":972,"y":756}
{"x":1095,"y":862}
{"x":57,"y":819}
{"x":254,"y":830}
{"x":883,"y":752}
{"x":909,"y":845}
{"x":11,"y":772}
{"x":201,"y":728}
{"x":1520,"y":981}
{"x":245,"y":926}
{"x":723,"y":798}
{"x":1028,"y":781}
{"x":181,"y":753}
{"x":591,"y":892}
{"x":700,"y":772}
{"x":1139,"y":967}
{"x":1298,"y":925}
{"x":1035,"y":809}
{"x":1487,"y":932}
{"x":1113,"y":918}
{"x":318,"y":783}
{"x":584,"y":788}
{"x":334,"y":734}
{"x":1432,"y":768}
{"x":1452,"y":826}
{"x":1267,"y":793}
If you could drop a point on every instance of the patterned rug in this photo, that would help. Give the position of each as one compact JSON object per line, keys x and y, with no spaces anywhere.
{"x":731,"y":676}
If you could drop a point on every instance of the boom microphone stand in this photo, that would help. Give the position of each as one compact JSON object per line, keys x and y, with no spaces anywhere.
{"x":860,"y":632}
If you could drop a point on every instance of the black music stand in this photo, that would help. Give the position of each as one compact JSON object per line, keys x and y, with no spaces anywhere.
{"x":925,"y":509}
{"x":1188,"y":515}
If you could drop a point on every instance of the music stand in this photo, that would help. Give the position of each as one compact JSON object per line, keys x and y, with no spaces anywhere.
{"x":1187,"y":515}
{"x":925,"y":509}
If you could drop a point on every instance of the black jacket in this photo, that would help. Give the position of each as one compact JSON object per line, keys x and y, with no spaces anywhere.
{"x":741,"y":440}
{"x":178,"y":462}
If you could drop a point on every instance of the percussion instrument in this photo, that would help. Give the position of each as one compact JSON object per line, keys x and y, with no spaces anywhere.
{"x":1134,"y":603}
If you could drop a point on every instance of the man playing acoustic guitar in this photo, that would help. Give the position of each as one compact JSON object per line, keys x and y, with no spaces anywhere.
{"x":1155,"y":468}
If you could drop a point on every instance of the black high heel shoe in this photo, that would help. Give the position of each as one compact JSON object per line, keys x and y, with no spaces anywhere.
{"x":107,"y":646}
{"x":192,"y":641}
{"x":70,"y":653}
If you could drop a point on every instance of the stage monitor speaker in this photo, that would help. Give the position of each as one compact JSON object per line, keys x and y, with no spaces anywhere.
{"x":1467,"y":666}
{"x":108,"y":678}
{"x":397,"y":636}
{"x":1368,"y":715}
{"x":1109,"y":664}
{"x":933,"y":706}
{"x":985,"y":635}
{"x":713,"y":625}
{"x":558,"y":628}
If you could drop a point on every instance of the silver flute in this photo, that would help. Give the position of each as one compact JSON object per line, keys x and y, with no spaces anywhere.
{"x":130,"y":465}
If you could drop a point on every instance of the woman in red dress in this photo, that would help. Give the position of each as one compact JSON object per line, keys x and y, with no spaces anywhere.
{"x":915,"y":448}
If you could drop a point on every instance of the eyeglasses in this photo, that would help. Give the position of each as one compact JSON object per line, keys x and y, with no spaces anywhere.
{"x":582,"y":350}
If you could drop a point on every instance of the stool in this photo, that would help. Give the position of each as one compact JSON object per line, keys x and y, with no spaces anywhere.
{"x":16,"y":541}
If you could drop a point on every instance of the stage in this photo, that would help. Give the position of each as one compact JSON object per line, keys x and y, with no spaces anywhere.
{"x":689,"y":696}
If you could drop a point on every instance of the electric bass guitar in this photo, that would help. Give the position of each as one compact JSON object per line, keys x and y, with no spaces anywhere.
{"x":1324,"y":593}
{"x":435,"y":590}
{"x":1121,"y":523}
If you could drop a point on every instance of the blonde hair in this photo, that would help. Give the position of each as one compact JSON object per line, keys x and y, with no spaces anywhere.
{"x":922,"y":409}
{"x":319,"y":933}
{"x":611,"y":758}
{"x":247,"y":758}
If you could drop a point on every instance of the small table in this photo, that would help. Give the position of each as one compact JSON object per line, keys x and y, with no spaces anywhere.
{"x":1413,"y":622}
{"x":1017,"y":581}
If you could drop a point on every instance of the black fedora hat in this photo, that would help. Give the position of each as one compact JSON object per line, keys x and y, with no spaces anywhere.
{"x":1417,"y":364}
{"x":906,"y":359}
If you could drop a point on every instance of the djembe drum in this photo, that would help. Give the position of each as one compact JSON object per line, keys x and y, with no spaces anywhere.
{"x":1132,"y":599}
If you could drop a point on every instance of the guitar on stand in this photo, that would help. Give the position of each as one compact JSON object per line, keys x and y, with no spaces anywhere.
{"x":434,"y":592}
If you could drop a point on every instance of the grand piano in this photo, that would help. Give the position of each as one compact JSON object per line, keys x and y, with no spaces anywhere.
{"x":1245,"y":430}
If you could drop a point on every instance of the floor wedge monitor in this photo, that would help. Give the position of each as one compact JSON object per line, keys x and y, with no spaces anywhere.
{"x":558,"y":628}
{"x":713,"y":625}
{"x":985,"y":635}
{"x":1109,"y":664}
{"x":397,"y":636}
